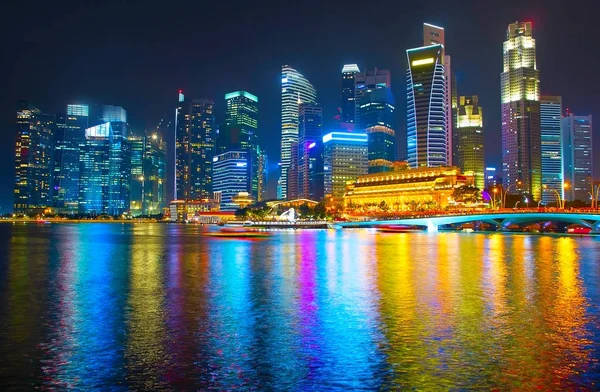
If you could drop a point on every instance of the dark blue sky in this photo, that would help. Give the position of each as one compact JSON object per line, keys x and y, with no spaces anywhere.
{"x":137,"y":55}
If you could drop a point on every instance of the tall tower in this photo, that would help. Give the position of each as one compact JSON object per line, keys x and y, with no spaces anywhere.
{"x":552,"y":157}
{"x":348,"y":104}
{"x":521,"y":134}
{"x":434,"y":35}
{"x":295,"y":90}
{"x":369,"y":80}
{"x":195,"y":148}
{"x":240,"y":133}
{"x":426,"y":102}
{"x":578,"y":156}
{"x":310,"y":152}
{"x":469,"y":137}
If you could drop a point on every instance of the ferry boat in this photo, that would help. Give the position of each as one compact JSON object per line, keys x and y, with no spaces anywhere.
{"x":237,"y":232}
{"x":398,"y":229}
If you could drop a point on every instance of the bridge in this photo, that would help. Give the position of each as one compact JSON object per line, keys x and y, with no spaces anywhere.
{"x":498,"y":219}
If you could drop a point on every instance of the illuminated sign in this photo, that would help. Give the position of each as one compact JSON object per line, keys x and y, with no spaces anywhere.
{"x":241,"y":164}
{"x":311,"y":145}
{"x":284,"y":80}
{"x":215,"y":159}
{"x":345,"y":136}
{"x":350,"y":68}
{"x":416,"y":63}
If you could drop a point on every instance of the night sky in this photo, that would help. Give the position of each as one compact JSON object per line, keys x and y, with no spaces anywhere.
{"x":138,"y":55}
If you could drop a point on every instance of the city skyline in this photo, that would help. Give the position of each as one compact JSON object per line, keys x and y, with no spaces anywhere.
{"x":325,"y":78}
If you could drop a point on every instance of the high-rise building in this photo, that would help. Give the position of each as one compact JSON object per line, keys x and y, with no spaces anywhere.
{"x":137,"y":173}
{"x":292,"y":174}
{"x":310,"y":152}
{"x":155,"y":175}
{"x":295,"y":90}
{"x":348,"y":104}
{"x":34,"y":152}
{"x":70,"y":137}
{"x":427,"y":139}
{"x":469,"y":137}
{"x":491,"y":178}
{"x":194,"y":148}
{"x":551,"y":137}
{"x":369,"y":80}
{"x":376,"y":118}
{"x":434,"y":35}
{"x":240,"y":133}
{"x":230,"y":177}
{"x":521,"y":134}
{"x":263,"y":170}
{"x":578,"y":157}
{"x":105,"y":169}
{"x":345,"y":159}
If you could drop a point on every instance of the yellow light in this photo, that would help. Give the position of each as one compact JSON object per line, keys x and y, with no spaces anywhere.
{"x":422,"y":62}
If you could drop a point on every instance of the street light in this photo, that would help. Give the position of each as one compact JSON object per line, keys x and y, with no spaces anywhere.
{"x":517,"y":203}
{"x":527,"y":202}
{"x":506,"y":192}
{"x":559,"y":203}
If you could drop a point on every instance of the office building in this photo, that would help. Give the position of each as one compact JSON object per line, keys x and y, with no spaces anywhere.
{"x":434,"y":35}
{"x":427,"y":139}
{"x":345,"y":158}
{"x":469,"y":138}
{"x":578,"y":157}
{"x":154,"y":182}
{"x":369,"y":80}
{"x":310,"y":152}
{"x":376,"y":117}
{"x":521,"y":133}
{"x":230,"y":177}
{"x":70,"y":136}
{"x":263,"y":170}
{"x":194,"y":148}
{"x":34,"y":150}
{"x":551,"y":138}
{"x":491,"y":178}
{"x":240,"y":133}
{"x":348,"y":103}
{"x":295,"y":90}
{"x":292,"y":174}
{"x":137,"y":173}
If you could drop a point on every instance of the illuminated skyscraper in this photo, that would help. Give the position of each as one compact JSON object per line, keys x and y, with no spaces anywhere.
{"x":155,"y":175}
{"x":348,"y":104}
{"x":369,"y":80}
{"x":578,"y":157}
{"x":70,"y":137}
{"x":310,"y":152}
{"x":426,"y":103}
{"x":194,"y":148}
{"x":295,"y":90}
{"x":263,"y":170}
{"x":434,"y":35}
{"x":230,"y":177}
{"x":240,"y":133}
{"x":345,"y":158}
{"x":521,"y":134}
{"x":137,"y":173}
{"x":552,"y":162}
{"x":469,"y":137}
{"x":34,"y":152}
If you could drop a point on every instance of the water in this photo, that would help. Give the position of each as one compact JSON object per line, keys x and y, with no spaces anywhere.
{"x":155,"y":306}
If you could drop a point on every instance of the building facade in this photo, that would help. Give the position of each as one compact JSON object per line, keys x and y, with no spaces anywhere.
{"x":551,"y":148}
{"x":154,"y":175}
{"x":295,"y":90}
{"x":230,"y":177}
{"x":520,"y":102}
{"x":578,"y":156}
{"x":194,"y":148}
{"x":426,"y":101}
{"x":34,"y":153}
{"x":137,"y":173}
{"x":345,"y":158}
{"x":369,"y":80}
{"x":469,"y":139}
{"x":348,"y":103}
{"x":310,"y":152}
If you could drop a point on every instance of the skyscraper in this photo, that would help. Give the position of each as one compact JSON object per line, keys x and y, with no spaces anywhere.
{"x":34,"y":152}
{"x":578,"y":156}
{"x":521,"y":134}
{"x":426,"y":103}
{"x":310,"y":152}
{"x":295,"y":90}
{"x":345,"y":158}
{"x":368,"y":80}
{"x":137,"y":173}
{"x":194,"y":148}
{"x":155,"y":175}
{"x":348,"y":104}
{"x":240,"y":133}
{"x":551,"y":137}
{"x":376,"y":118}
{"x":469,"y":137}
{"x":70,"y":137}
{"x":434,"y":35}
{"x":230,"y":177}
{"x":263,"y":170}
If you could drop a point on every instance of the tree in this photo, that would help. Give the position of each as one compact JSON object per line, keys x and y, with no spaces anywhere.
{"x":467,"y":194}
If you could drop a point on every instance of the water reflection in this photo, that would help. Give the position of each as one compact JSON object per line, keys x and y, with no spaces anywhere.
{"x":139,"y":307}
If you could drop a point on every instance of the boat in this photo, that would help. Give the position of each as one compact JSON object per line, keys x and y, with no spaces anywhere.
{"x":578,"y":229}
{"x":237,"y":232}
{"x":398,"y":229}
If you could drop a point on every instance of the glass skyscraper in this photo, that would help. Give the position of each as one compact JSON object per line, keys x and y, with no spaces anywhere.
{"x":230,"y":177}
{"x":520,"y":97}
{"x":295,"y":90}
{"x":155,"y":175}
{"x":578,"y":157}
{"x":34,"y":150}
{"x":469,"y":139}
{"x":551,"y":136}
{"x":310,"y":152}
{"x":137,"y":173}
{"x":368,"y":80}
{"x":194,"y":148}
{"x":426,"y":107}
{"x":345,"y":158}
{"x":348,"y":103}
